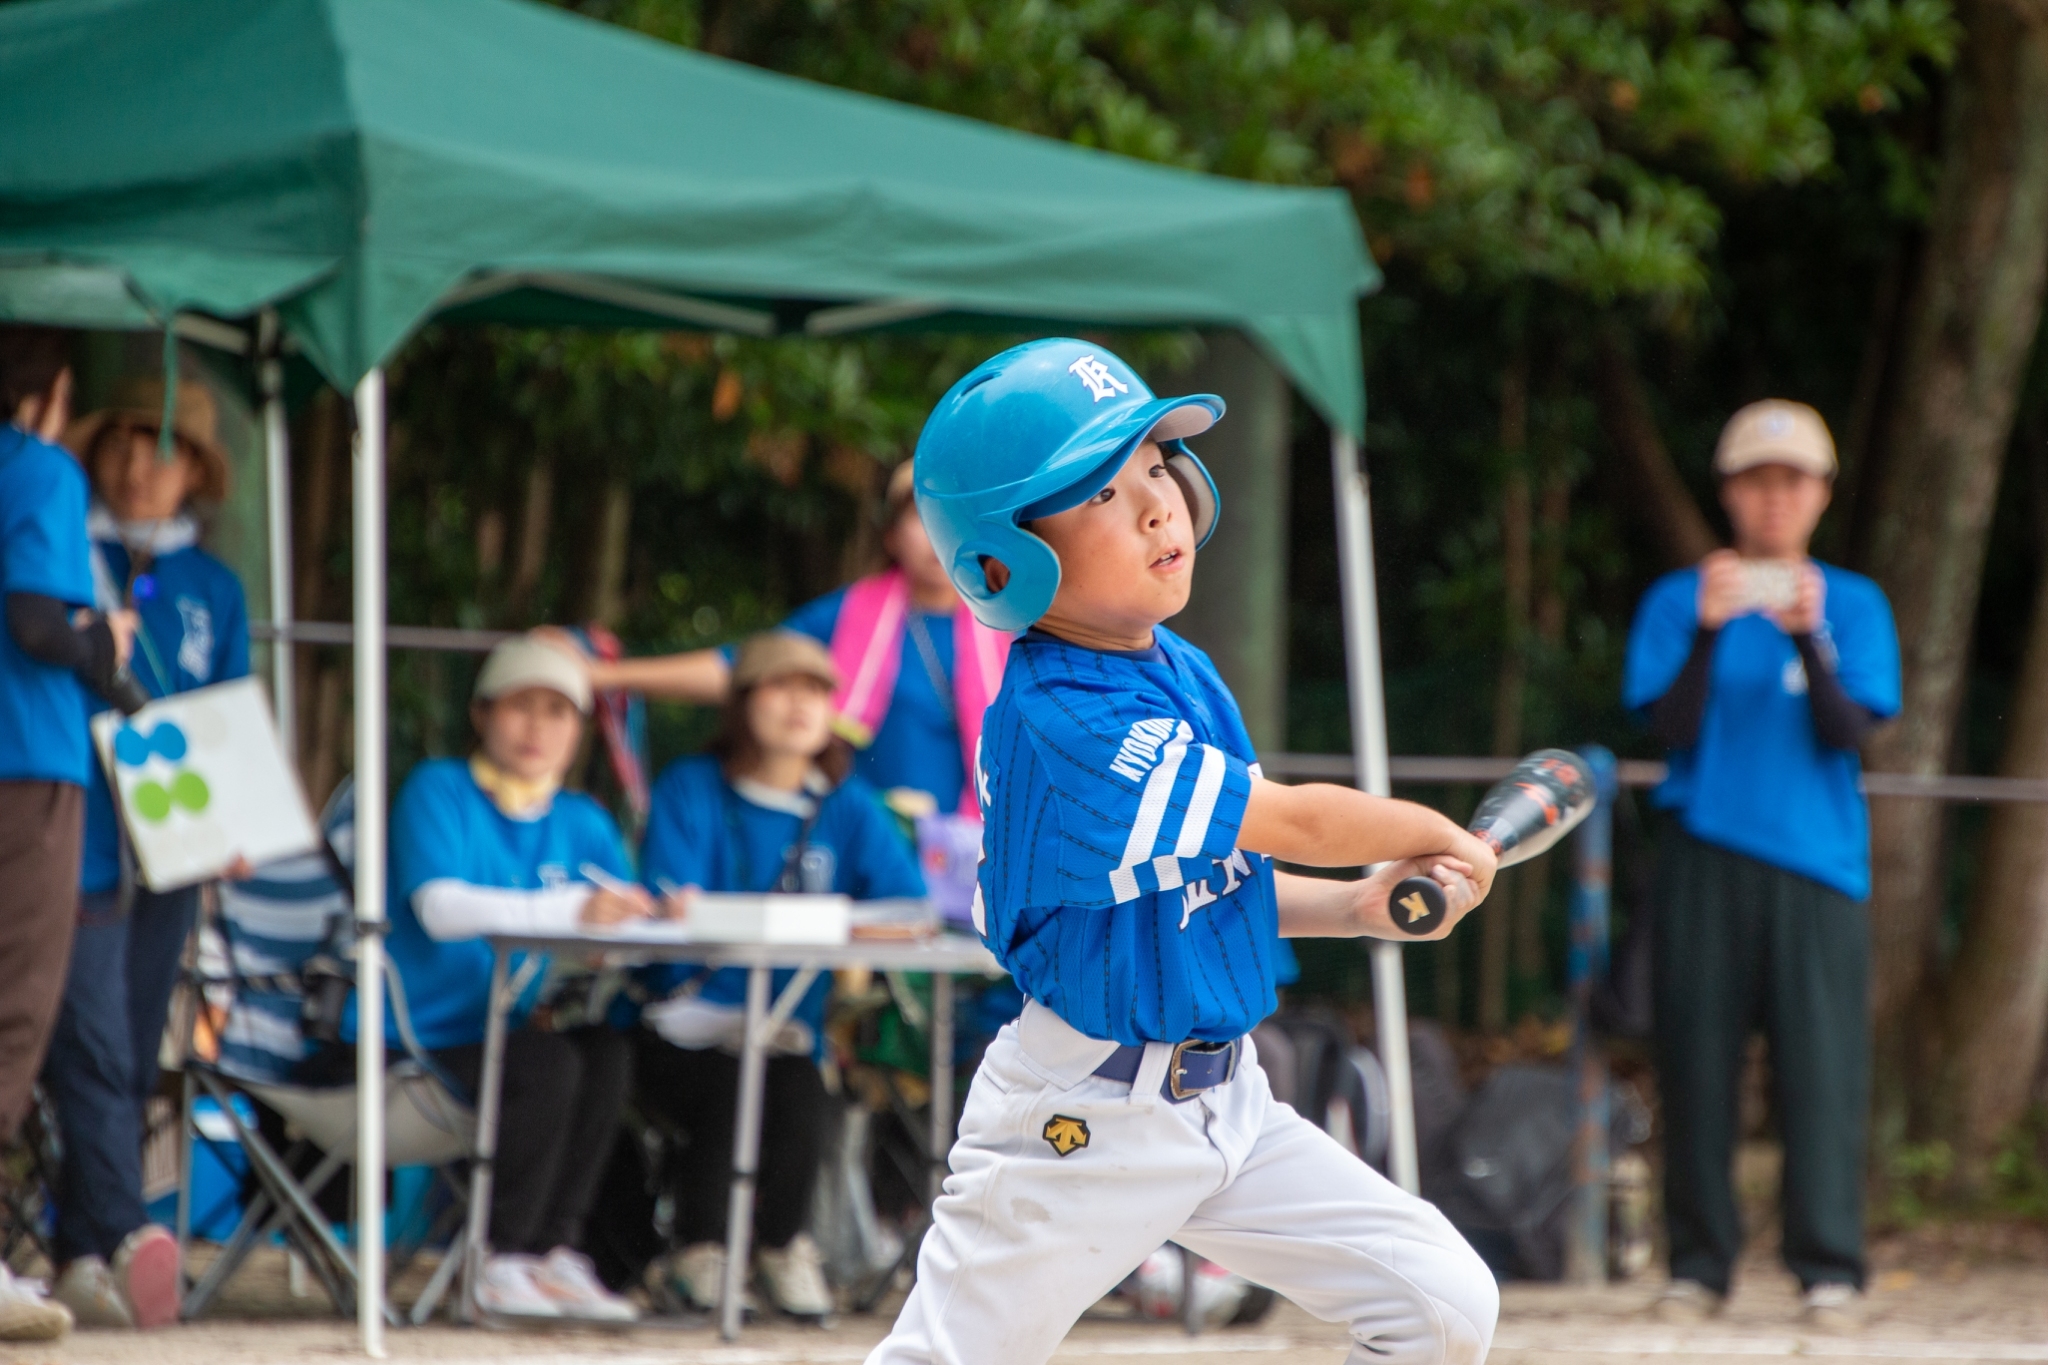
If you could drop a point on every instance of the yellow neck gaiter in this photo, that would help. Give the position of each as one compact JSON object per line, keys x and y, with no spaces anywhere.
{"x":515,"y":796}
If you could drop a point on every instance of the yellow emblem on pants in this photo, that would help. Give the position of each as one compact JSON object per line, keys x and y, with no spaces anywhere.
{"x":1066,"y":1135}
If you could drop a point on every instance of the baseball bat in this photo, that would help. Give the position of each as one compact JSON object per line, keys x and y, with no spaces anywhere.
{"x":1539,"y":802}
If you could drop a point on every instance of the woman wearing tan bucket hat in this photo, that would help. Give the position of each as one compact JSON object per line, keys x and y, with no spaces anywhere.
{"x":771,"y":806}
{"x":1762,"y":670}
{"x":116,"y":1268}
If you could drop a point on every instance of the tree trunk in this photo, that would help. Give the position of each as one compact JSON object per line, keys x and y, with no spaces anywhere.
{"x":324,"y":759}
{"x":1857,"y":438}
{"x":1655,"y":491}
{"x":1531,"y":888}
{"x":1517,"y":569}
{"x":534,"y":523}
{"x":323,"y":500}
{"x":1995,"y":1004}
{"x":1969,"y":328}
{"x":614,"y":524}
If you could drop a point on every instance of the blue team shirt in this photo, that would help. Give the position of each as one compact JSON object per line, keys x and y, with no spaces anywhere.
{"x":918,"y":742}
{"x":445,"y":826}
{"x":702,"y":832}
{"x":1286,"y":966}
{"x":192,"y":608}
{"x":1759,"y":781}
{"x":43,"y":550}
{"x":1112,"y":787}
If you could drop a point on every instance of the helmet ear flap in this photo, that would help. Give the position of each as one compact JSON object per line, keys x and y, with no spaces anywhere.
{"x":1197,"y":487}
{"x":1034,"y":578}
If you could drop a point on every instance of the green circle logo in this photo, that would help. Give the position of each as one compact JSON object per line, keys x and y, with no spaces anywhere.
{"x":152,"y":801}
{"x":189,"y":790}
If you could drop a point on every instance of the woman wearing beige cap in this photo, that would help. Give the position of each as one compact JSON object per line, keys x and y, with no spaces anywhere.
{"x":492,"y":845}
{"x":1762,"y":670}
{"x":771,"y":807}
{"x":118,"y":1269}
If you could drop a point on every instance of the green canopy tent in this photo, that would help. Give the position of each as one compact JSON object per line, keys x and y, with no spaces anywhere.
{"x":331,"y":175}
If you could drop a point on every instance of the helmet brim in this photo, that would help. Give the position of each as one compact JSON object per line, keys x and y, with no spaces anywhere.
{"x":1162,"y":420}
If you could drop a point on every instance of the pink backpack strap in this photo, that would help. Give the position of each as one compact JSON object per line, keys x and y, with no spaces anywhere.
{"x":978,"y":657}
{"x":867,"y":647}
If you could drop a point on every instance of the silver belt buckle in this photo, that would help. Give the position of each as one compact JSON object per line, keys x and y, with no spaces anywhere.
{"x":1174,"y":1069}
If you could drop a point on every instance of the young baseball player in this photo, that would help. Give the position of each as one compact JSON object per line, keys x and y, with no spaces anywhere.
{"x":1127,"y":883}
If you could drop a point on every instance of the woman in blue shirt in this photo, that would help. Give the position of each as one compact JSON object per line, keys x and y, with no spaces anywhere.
{"x":770,"y":808}
{"x":116,"y":1268}
{"x":493,"y":845}
{"x":50,"y":641}
{"x":1762,"y":671}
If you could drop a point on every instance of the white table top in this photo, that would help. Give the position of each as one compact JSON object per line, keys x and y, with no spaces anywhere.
{"x":665,"y":941}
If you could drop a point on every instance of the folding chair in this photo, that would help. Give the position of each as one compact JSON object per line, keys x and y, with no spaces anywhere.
{"x":28,"y":1172}
{"x":425,"y":1124}
{"x":272,"y":927}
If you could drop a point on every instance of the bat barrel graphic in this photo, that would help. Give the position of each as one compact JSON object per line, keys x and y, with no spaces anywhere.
{"x":1535,"y":805}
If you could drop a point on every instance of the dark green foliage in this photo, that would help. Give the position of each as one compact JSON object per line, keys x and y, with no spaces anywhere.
{"x":1735,"y":180}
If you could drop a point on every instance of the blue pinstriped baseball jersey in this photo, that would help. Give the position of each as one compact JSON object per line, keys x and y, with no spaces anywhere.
{"x":1112,"y":787}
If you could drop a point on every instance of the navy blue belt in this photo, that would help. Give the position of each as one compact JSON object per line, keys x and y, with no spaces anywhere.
{"x":1195,"y":1067}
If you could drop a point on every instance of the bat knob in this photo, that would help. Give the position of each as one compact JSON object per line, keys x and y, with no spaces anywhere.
{"x":1417,"y":905}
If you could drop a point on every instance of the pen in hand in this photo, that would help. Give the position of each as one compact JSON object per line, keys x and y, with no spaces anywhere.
{"x":614,"y":901}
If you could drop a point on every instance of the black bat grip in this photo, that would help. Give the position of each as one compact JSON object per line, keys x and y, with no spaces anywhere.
{"x":1417,"y":905}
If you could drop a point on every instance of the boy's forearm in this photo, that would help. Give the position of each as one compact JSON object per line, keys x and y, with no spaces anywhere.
{"x":1321,"y":825}
{"x":1316,"y":907}
{"x":1319,"y":907}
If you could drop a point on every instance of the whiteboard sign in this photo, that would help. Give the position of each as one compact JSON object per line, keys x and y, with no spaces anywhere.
{"x":201,"y":779}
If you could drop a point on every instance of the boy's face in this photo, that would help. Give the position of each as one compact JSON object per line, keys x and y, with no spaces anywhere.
{"x":1127,"y":555}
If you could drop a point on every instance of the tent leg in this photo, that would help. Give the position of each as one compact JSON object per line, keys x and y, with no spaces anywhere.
{"x":277,"y":468}
{"x":371,"y":803}
{"x":1369,"y":749}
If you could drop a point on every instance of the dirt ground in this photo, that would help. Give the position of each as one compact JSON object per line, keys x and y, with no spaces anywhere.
{"x":1976,"y":1296}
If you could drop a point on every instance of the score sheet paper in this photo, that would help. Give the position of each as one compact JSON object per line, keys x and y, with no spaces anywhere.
{"x":201,"y":778}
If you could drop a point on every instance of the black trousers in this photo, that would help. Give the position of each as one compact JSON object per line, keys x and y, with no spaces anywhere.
{"x":698,"y":1090}
{"x":1741,"y":944}
{"x":102,"y":1065}
{"x":557,"y":1118}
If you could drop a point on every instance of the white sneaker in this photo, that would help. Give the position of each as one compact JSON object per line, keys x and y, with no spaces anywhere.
{"x":1686,"y":1303}
{"x":794,"y":1278}
{"x":26,"y":1314}
{"x":1833,"y":1307}
{"x":571,"y":1281}
{"x":694,"y":1276}
{"x":86,"y":1287}
{"x":506,"y":1289}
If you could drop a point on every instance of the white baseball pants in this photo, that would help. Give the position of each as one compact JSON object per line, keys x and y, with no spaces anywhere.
{"x":1024,"y":1239}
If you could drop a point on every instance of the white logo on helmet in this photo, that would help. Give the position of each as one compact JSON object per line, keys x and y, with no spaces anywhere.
{"x":1097,"y":377}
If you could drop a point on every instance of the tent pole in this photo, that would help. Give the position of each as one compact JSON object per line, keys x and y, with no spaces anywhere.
{"x":1369,"y":752}
{"x":277,"y":469}
{"x":371,"y":804}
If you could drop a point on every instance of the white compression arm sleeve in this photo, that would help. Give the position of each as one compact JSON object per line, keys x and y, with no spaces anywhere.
{"x":450,"y":909}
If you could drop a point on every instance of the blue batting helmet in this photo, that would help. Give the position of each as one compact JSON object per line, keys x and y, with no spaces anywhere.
{"x":1036,"y":430}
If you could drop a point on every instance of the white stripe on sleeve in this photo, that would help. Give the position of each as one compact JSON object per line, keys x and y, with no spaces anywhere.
{"x":1151,"y":810}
